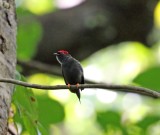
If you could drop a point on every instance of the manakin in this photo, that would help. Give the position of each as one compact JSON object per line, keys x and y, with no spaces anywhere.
{"x":71,"y":70}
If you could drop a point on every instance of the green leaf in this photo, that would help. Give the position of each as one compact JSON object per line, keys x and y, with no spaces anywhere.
{"x":26,"y":101}
{"x":149,"y":78}
{"x":111,"y":121}
{"x":108,"y":118}
{"x":42,"y":129}
{"x":50,"y":111}
{"x":148,"y":121}
{"x":27,"y":113}
{"x":29,"y":124}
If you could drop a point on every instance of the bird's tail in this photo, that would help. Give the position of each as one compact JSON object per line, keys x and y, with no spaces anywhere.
{"x":78,"y":95}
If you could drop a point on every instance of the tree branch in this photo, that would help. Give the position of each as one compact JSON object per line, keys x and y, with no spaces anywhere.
{"x":42,"y":67}
{"x":122,"y":88}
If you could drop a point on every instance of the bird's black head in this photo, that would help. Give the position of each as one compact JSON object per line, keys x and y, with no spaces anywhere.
{"x":62,"y":56}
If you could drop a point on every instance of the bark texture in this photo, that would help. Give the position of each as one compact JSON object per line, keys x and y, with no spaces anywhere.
{"x":8,"y":29}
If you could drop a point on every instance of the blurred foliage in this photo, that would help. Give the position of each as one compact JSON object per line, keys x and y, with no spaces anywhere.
{"x":50,"y":111}
{"x":157,"y":15}
{"x":100,"y":113}
{"x":110,"y":120}
{"x":42,"y":6}
{"x":27,"y":113}
{"x":148,"y":121}
{"x":29,"y":34}
{"x":123,"y":115}
{"x":34,"y":118}
{"x":130,"y":58}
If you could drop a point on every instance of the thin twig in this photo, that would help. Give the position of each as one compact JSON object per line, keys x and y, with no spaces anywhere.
{"x":122,"y":88}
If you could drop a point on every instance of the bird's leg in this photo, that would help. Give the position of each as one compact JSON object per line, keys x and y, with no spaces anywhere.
{"x":69,"y":86}
{"x":77,"y":85}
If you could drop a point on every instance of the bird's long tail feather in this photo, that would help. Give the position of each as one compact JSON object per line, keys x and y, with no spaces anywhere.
{"x":78,"y":95}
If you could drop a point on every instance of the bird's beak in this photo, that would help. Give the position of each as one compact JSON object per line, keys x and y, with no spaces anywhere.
{"x":55,"y":53}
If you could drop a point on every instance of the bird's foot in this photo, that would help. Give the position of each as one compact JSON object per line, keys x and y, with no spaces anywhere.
{"x":69,"y":86}
{"x":77,"y":85}
{"x":73,"y":90}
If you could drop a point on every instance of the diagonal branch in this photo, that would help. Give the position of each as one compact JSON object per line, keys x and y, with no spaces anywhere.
{"x":122,"y":88}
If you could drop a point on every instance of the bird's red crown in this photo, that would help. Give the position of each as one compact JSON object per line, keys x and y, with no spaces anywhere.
{"x":63,"y":52}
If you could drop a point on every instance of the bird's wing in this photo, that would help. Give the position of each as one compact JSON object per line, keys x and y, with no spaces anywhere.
{"x":64,"y":77}
{"x":82,"y":78}
{"x":82,"y":81}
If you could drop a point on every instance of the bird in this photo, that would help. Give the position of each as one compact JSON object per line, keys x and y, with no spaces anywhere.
{"x":72,"y":71}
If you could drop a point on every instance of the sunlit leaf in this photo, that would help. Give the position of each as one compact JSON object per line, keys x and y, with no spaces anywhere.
{"x":42,"y":6}
{"x":157,"y":15}
{"x":120,"y":63}
{"x":149,"y":78}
